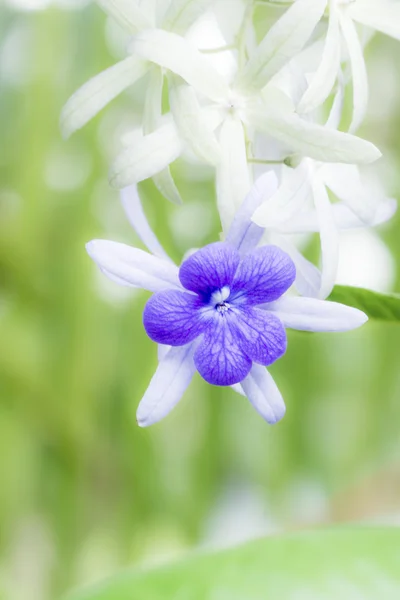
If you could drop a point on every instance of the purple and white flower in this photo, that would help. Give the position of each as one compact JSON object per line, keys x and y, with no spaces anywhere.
{"x":222,"y":313}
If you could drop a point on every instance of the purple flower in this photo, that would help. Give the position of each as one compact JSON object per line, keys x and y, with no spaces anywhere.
{"x":223,"y":312}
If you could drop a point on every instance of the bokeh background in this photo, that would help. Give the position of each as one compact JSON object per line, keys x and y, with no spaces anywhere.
{"x":83,"y":490}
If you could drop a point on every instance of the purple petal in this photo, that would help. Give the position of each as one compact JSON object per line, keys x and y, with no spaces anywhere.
{"x":263,"y":276}
{"x":218,"y":358}
{"x":174,"y":318}
{"x":210,"y":268}
{"x":260,"y":337}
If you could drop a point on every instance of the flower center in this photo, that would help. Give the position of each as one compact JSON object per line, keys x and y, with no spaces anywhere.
{"x":218,"y":299}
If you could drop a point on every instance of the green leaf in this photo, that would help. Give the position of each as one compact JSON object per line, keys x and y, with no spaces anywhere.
{"x":357,"y":562}
{"x":384,"y":307}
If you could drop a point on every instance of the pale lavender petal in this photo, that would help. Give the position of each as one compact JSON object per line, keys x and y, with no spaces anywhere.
{"x":173,"y":375}
{"x":210,"y":268}
{"x":263,"y":276}
{"x":262,"y":391}
{"x":218,"y":358}
{"x":259,"y":334}
{"x":174,"y":318}
{"x":243,"y":233}
{"x":136,"y":216}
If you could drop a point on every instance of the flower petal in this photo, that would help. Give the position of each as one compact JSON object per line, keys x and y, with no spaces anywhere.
{"x":261,"y":336}
{"x":146,"y":158}
{"x":263,"y":276}
{"x":175,"y":53}
{"x":134,"y":211}
{"x":325,"y":76}
{"x":174,"y":318}
{"x":181,"y":14}
{"x":312,"y":140}
{"x":383,"y":15}
{"x":283,"y":41}
{"x":233,"y":178}
{"x":173,"y":375}
{"x":262,"y":391}
{"x":310,"y":314}
{"x":345,"y":182}
{"x":209,"y":269}
{"x":358,"y":70}
{"x":126,"y":13}
{"x":96,"y":93}
{"x":136,"y":267}
{"x":308,"y":277}
{"x":218,"y":358}
{"x":192,"y":123}
{"x":243,"y":233}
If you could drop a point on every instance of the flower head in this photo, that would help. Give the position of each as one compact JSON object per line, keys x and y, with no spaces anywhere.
{"x":223,"y":312}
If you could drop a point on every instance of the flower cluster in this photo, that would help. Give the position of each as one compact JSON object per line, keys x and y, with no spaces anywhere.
{"x":275,"y":104}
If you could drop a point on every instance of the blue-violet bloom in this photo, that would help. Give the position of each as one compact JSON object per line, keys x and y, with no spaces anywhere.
{"x":222,"y":313}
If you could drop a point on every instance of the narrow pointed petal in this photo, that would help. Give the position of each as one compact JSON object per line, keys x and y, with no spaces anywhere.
{"x":382,"y":15}
{"x":175,"y":53}
{"x":169,"y":383}
{"x":134,"y":211}
{"x":335,"y":114}
{"x":263,"y":393}
{"x":126,"y":13}
{"x":96,"y":93}
{"x":287,"y":200}
{"x":174,"y":317}
{"x":283,"y":41}
{"x":233,"y":178}
{"x":192,"y":123}
{"x":308,"y":277}
{"x":213,"y":267}
{"x":136,"y":267}
{"x":345,"y":182}
{"x":312,"y":140}
{"x":181,"y":14}
{"x":329,"y":236}
{"x":310,"y":314}
{"x":358,"y":71}
{"x":326,"y":74}
{"x":263,"y":275}
{"x":147,"y":157}
{"x":163,"y":180}
{"x":243,"y":234}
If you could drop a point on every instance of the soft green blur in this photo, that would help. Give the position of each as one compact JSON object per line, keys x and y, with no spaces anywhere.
{"x":83,"y":490}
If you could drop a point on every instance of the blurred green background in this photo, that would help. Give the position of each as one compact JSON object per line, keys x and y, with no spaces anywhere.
{"x":83,"y":490}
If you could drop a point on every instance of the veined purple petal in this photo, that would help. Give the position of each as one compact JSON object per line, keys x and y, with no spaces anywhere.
{"x":218,"y":358}
{"x":210,"y":268}
{"x":263,"y":276}
{"x":174,"y":318}
{"x":260,"y":335}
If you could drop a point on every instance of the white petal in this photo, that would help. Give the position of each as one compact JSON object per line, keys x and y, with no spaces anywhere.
{"x":335,"y":114}
{"x":233,"y":179}
{"x":135,"y":267}
{"x":358,"y":71}
{"x":287,"y":200}
{"x":383,"y":15}
{"x":283,"y":41}
{"x":168,"y":384}
{"x":310,"y":314}
{"x":329,"y":236}
{"x":134,"y":211}
{"x":312,"y":140}
{"x":345,"y":182}
{"x":126,"y":13}
{"x":192,"y":123}
{"x":176,"y":54}
{"x":308,"y":277}
{"x":238,"y":389}
{"x":181,"y":14}
{"x":243,"y":233}
{"x":152,"y":116}
{"x":325,"y":76}
{"x":96,"y":93}
{"x":263,"y":393}
{"x":147,"y":158}
{"x":162,"y":351}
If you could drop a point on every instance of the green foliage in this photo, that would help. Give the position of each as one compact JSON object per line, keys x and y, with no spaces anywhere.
{"x":383,"y":307}
{"x":321,"y":565}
